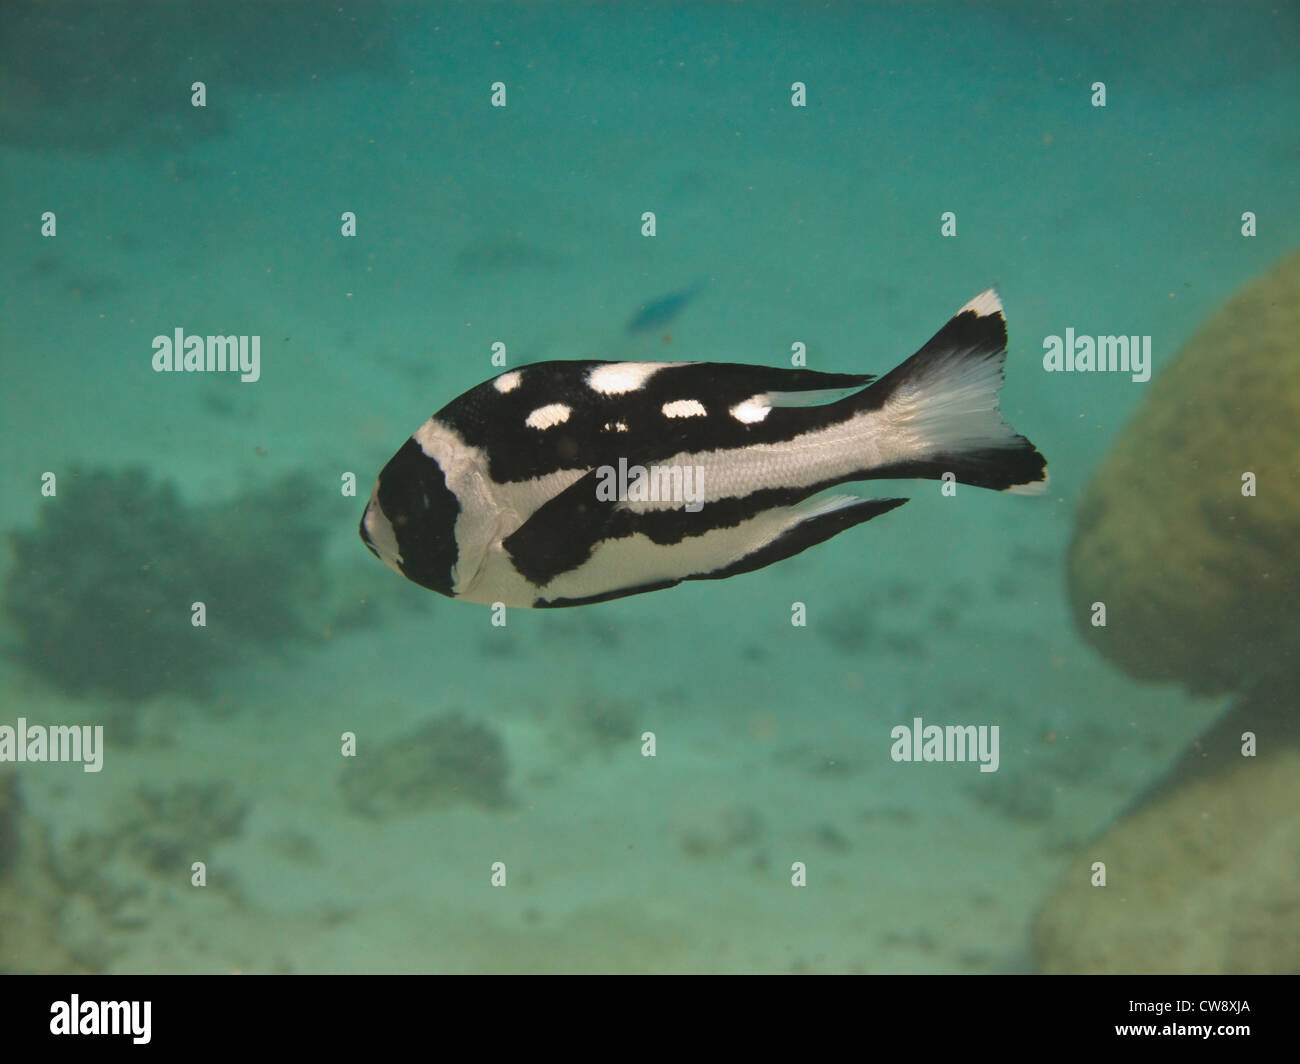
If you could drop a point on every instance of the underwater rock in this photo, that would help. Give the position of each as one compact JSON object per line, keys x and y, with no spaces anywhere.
{"x":1188,"y":534}
{"x":1201,"y":875}
{"x":10,"y":812}
{"x":1200,"y":581}
{"x":446,"y":761}
{"x":99,"y":595}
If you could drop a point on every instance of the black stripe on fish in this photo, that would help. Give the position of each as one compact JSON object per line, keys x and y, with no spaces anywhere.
{"x":561,"y":535}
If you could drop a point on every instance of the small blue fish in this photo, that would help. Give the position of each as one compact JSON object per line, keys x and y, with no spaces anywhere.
{"x":661,"y":311}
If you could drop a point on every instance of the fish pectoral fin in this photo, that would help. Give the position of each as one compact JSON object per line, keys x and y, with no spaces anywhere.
{"x":814,"y":521}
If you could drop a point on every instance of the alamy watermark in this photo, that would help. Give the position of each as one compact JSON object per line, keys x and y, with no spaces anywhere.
{"x":953,"y":743}
{"x":77,"y":1017}
{"x":179,"y":353}
{"x":58,"y":742}
{"x":1098,"y":354}
{"x":667,"y":483}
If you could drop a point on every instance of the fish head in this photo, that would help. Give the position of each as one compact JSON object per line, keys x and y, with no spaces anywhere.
{"x":410,"y":521}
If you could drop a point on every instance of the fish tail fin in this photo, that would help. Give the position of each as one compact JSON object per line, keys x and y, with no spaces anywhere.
{"x":946,"y":397}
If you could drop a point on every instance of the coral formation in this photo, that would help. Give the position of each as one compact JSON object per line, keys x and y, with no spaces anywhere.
{"x":159,"y":830}
{"x":443,"y":762}
{"x":100,"y":593}
{"x":169,"y":828}
{"x":1201,"y":874}
{"x":1200,"y":580}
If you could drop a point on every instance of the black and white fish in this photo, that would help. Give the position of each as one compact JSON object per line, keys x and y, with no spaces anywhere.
{"x":526,"y":489}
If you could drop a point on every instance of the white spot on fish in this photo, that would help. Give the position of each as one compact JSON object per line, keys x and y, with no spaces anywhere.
{"x":508,"y":382}
{"x":617,"y":378}
{"x":752,"y":410}
{"x":684,"y":408}
{"x":545,"y":417}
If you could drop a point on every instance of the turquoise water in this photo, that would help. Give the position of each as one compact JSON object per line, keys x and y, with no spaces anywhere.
{"x":484,"y":752}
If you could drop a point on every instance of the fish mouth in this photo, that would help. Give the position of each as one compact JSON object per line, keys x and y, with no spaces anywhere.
{"x":378,"y":536}
{"x":365,"y":533}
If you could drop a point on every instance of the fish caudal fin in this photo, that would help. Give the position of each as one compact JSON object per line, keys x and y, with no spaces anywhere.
{"x":946,"y":397}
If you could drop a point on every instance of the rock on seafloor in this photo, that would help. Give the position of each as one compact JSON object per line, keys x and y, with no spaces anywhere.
{"x":1201,"y":876}
{"x":1200,"y":580}
{"x":1190,"y":535}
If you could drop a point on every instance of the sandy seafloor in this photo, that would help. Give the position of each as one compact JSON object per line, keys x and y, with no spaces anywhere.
{"x":820,"y":225}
